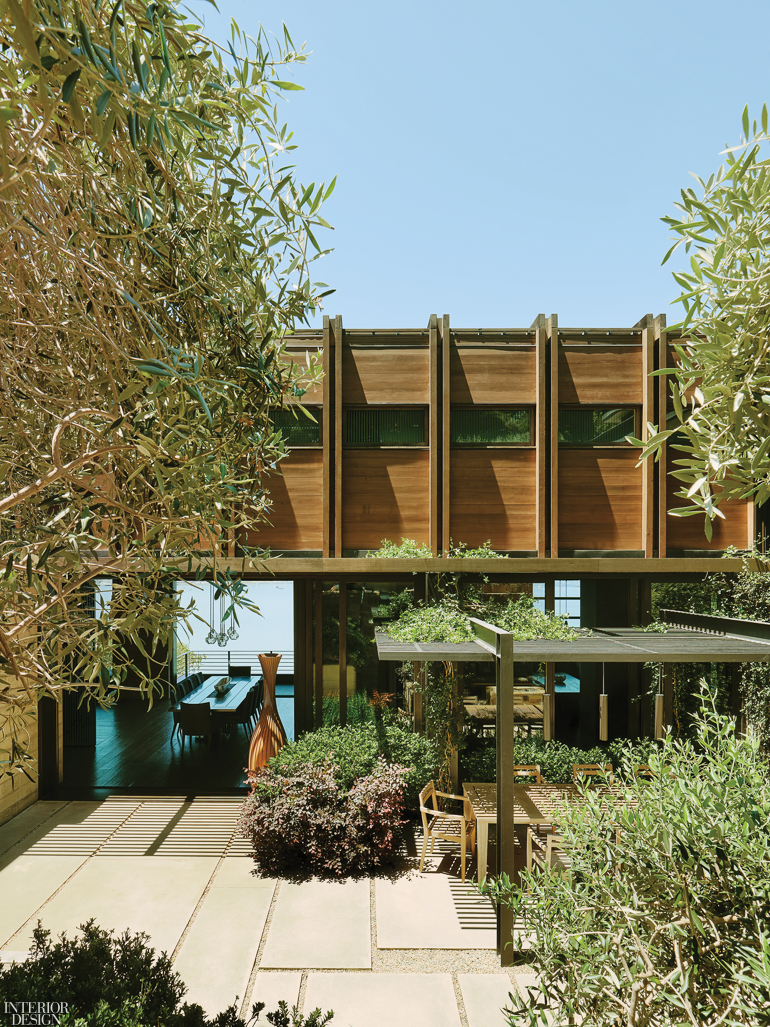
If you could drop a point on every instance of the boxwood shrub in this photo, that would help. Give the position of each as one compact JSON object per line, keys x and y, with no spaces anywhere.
{"x":355,"y":751}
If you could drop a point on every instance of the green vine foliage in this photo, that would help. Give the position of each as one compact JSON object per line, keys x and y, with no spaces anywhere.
{"x":746,"y":596}
{"x":446,"y":620}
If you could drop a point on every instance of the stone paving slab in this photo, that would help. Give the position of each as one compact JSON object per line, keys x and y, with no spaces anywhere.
{"x":218,"y":953}
{"x":384,"y":1000}
{"x":80,"y":828}
{"x":25,"y":884}
{"x":432,"y":911}
{"x":273,"y":986}
{"x":23,"y":823}
{"x":154,"y":894}
{"x":320,"y":925}
{"x":485,"y":996}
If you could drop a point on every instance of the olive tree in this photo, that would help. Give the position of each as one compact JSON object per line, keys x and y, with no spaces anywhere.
{"x":663,"y":917}
{"x":721,"y":384}
{"x":155,"y":249}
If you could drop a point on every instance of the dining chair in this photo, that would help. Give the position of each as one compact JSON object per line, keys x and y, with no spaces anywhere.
{"x":242,"y":671}
{"x":645,"y":772}
{"x":552,"y":855}
{"x":450,"y":827}
{"x":580,"y":771}
{"x":242,"y":717}
{"x":531,"y":771}
{"x":195,"y":721}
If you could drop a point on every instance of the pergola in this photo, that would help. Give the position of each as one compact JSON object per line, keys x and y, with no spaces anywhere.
{"x":681,"y":643}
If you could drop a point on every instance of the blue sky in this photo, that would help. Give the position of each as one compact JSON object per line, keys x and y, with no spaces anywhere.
{"x":496,"y":160}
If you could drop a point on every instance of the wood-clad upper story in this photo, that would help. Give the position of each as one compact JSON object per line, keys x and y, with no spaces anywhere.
{"x":514,"y":437}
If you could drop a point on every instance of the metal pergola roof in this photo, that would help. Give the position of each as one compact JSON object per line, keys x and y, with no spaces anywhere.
{"x":602,"y":645}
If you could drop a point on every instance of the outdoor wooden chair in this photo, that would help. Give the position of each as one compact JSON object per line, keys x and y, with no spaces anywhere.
{"x":580,"y":771}
{"x":528,"y":771}
{"x":450,"y":827}
{"x":537,"y":841}
{"x":553,"y":855}
{"x":644,"y":772}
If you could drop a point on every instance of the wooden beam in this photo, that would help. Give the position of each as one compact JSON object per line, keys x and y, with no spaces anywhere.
{"x":300,"y":656}
{"x":343,"y":653}
{"x":319,"y":659}
{"x":506,"y":842}
{"x":541,"y":436}
{"x":338,"y":430}
{"x":434,"y":415}
{"x":308,"y":654}
{"x":446,"y":410}
{"x":751,"y":524}
{"x":549,"y":707}
{"x":552,"y":327}
{"x":327,"y":433}
{"x":660,"y":332}
{"x":648,"y":416}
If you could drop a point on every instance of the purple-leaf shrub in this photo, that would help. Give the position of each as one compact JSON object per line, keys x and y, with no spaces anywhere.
{"x":307,"y":821}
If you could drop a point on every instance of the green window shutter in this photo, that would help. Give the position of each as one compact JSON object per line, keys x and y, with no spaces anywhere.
{"x":490,"y":427}
{"x":297,"y":431}
{"x":594,"y":426}
{"x":385,"y":427}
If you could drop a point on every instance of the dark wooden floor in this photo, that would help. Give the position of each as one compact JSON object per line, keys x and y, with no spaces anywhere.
{"x":134,"y":753}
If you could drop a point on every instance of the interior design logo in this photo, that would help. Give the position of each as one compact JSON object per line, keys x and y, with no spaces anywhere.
{"x":35,"y":1014}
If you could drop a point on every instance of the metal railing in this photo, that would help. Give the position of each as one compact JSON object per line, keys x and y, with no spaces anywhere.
{"x":221,"y":662}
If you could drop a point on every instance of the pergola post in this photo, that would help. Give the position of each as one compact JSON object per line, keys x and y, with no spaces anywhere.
{"x":506,"y":844}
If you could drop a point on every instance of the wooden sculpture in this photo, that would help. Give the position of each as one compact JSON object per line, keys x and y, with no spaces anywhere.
{"x":269,"y":736}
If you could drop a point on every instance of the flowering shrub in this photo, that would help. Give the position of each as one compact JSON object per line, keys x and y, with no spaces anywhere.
{"x":307,"y":821}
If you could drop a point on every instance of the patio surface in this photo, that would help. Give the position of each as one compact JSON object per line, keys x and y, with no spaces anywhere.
{"x":417,"y":950}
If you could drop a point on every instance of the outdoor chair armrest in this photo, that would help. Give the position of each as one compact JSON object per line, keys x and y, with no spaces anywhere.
{"x":448,"y":795}
{"x":440,"y":813}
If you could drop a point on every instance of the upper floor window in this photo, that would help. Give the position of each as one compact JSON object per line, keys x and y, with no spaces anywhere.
{"x":383,"y":426}
{"x":480,"y":426}
{"x":296,"y":428}
{"x":596,"y":426}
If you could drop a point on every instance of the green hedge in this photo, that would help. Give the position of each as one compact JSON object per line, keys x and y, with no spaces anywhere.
{"x":355,"y":751}
{"x":478,"y":761}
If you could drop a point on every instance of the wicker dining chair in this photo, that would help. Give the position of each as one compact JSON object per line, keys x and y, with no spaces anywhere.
{"x":450,"y":827}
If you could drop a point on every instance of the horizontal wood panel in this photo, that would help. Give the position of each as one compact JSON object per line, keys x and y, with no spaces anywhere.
{"x":296,"y":492}
{"x":600,"y":374}
{"x":385,"y":494}
{"x":396,"y":376}
{"x":492,"y":496}
{"x":493,"y":375}
{"x":688,"y":532}
{"x":600,"y":499}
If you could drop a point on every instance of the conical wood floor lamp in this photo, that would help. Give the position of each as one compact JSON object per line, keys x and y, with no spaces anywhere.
{"x":269,"y":736}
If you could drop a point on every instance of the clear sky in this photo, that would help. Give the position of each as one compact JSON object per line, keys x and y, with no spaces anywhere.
{"x":496,"y":160}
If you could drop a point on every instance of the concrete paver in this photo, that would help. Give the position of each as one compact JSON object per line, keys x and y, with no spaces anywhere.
{"x":432,"y":911}
{"x":274,"y":986}
{"x":485,"y":996}
{"x":384,"y":1000}
{"x":25,"y":885}
{"x":320,"y":925}
{"x":218,"y":952}
{"x":143,"y":893}
{"x":23,"y":823}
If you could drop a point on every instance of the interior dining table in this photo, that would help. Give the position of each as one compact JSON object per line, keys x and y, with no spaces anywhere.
{"x":231,"y":701}
{"x":533,"y":804}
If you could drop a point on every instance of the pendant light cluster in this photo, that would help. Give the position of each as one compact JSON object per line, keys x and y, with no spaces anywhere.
{"x":224,"y":635}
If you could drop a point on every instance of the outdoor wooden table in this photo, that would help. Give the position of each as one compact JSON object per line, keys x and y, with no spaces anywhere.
{"x":483,"y":799}
{"x":231,"y":701}
{"x":533,"y":804}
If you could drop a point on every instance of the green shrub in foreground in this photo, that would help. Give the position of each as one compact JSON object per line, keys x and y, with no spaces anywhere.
{"x":110,"y":980}
{"x":665,"y":922}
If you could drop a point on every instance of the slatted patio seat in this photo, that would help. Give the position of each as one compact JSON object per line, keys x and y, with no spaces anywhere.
{"x":450,"y":827}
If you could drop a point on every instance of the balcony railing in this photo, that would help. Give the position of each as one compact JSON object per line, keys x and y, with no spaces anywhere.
{"x":221,"y":662}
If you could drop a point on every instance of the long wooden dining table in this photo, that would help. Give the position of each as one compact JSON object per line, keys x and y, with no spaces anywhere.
{"x":533,"y":804}
{"x":232,"y":699}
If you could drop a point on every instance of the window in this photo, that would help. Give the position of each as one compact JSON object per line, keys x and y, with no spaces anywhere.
{"x":487,"y":427}
{"x":596,"y":426}
{"x":297,"y":429}
{"x":383,"y":427}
